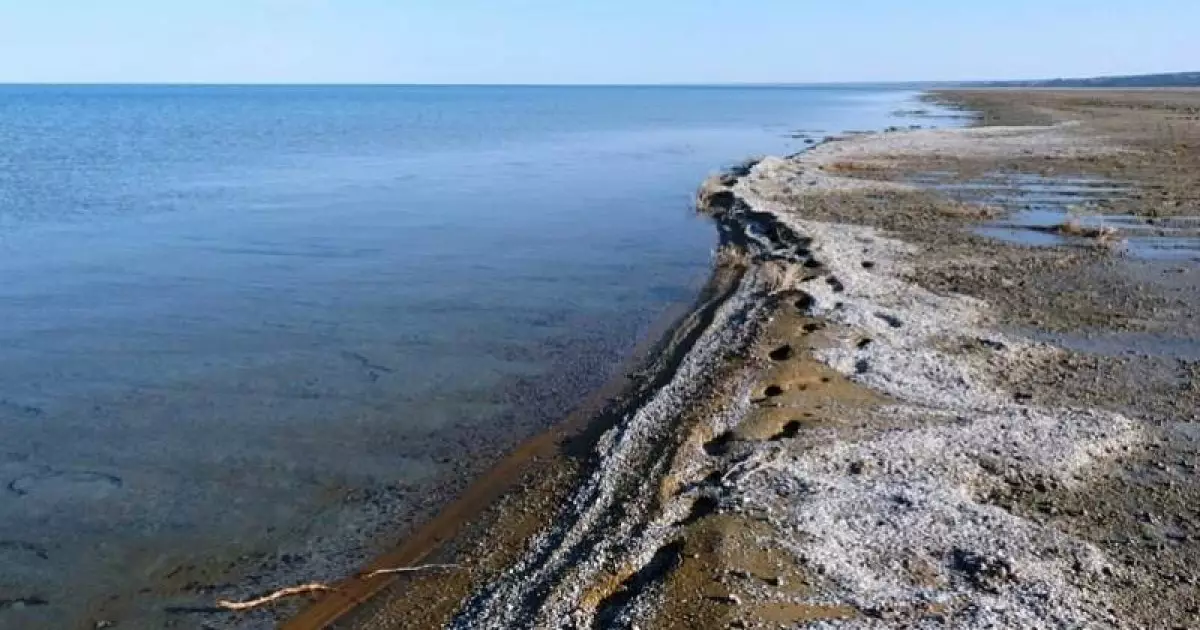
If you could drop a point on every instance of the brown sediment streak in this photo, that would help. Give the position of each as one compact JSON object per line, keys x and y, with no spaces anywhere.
{"x":353,"y":591}
{"x":453,"y":519}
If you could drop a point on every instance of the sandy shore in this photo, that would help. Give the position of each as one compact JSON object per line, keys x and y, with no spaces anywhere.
{"x":877,"y":415}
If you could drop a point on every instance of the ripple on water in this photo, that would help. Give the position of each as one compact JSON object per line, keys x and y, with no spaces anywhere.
{"x":63,"y":487}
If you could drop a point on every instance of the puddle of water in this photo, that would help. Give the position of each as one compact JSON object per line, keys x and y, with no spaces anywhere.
{"x":1036,"y":204}
{"x":1021,"y":236}
{"x":1115,"y":344}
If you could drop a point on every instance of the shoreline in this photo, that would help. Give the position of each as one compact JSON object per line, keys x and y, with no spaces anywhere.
{"x":567,"y":440}
{"x":811,"y":351}
{"x":573,"y":439}
{"x":559,"y":451}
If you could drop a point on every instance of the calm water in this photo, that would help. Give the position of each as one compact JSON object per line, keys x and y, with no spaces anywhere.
{"x":259,"y":320}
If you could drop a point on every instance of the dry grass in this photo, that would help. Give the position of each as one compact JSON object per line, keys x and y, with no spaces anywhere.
{"x":714,"y":196}
{"x":731,"y":256}
{"x":1072,"y":227}
{"x":713,"y":184}
{"x":780,"y":276}
{"x":847,"y":166}
{"x":969,"y":210}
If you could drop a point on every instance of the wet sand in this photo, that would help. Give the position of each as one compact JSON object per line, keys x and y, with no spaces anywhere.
{"x":876,"y":415}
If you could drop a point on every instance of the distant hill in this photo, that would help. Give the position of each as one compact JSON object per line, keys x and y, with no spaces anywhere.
{"x":1172,"y":79}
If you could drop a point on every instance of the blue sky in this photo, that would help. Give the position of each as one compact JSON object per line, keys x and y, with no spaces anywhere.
{"x":592,"y":41}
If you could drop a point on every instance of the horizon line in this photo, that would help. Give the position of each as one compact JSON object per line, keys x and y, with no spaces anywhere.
{"x":433,"y":84}
{"x":775,"y":84}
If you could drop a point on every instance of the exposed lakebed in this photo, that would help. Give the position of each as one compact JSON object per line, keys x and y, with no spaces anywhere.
{"x":1033,"y":210}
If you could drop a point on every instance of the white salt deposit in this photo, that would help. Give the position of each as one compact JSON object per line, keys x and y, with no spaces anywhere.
{"x":897,"y":519}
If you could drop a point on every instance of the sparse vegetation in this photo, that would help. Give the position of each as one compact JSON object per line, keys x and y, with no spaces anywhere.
{"x":731,"y":256}
{"x":1073,"y":227}
{"x":858,"y":169}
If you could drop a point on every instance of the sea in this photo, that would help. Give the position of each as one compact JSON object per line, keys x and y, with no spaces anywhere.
{"x":251,"y":328}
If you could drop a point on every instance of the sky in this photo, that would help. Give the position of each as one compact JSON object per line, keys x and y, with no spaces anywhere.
{"x":589,"y":41}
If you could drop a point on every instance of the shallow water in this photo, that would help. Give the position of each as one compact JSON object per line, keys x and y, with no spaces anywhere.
{"x":1119,"y":343}
{"x":1034,"y":203}
{"x":228,"y":309}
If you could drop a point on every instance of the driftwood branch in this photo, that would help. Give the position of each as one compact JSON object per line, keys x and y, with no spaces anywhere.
{"x":317,"y":587}
{"x":423,"y":567}
{"x":282,"y":593}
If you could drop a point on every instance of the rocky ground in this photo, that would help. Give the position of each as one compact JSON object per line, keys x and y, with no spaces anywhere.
{"x":876,"y":416}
